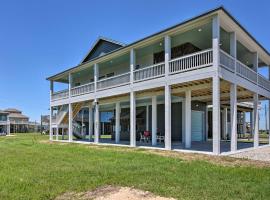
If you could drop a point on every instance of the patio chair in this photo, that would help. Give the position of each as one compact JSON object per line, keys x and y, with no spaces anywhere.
{"x":147,"y":136}
{"x":160,"y":138}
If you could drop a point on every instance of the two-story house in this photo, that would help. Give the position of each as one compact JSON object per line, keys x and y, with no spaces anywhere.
{"x":181,"y":88}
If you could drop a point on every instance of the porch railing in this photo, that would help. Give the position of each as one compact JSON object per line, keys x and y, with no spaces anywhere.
{"x":60,"y":95}
{"x":245,"y":72}
{"x":149,"y":72}
{"x":191,"y":61}
{"x":83,"y":89}
{"x":227,"y":61}
{"x":263,"y":82}
{"x":114,"y":81}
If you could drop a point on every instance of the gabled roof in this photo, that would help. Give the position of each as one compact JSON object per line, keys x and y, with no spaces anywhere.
{"x":101,"y":47}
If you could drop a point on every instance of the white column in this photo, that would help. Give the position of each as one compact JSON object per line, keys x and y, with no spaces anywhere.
{"x":70,"y":120}
{"x":51,"y":110}
{"x":154,"y":120}
{"x":233,"y":47}
{"x":168,"y":141}
{"x":225,"y":120}
{"x":132,"y":119}
{"x":167,"y":45}
{"x":216,"y":115}
{"x":96,"y":122}
{"x":215,"y":40}
{"x":90,"y":121}
{"x":233,"y":108}
{"x":96,"y":75}
{"x":69,"y":84}
{"x":188,"y":119}
{"x":147,"y":117}
{"x":51,"y":129}
{"x":132,"y":64}
{"x":117,"y":122}
{"x":8,"y":127}
{"x":255,"y":61}
{"x":183,"y":121}
{"x":256,"y":120}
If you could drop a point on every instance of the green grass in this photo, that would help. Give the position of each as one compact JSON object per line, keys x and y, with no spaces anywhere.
{"x":30,"y":169}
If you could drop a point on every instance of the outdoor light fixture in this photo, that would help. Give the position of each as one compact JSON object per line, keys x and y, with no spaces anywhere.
{"x":200,"y":30}
{"x":160,"y":44}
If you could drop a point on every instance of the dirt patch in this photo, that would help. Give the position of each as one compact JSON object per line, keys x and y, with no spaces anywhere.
{"x":112,"y":193}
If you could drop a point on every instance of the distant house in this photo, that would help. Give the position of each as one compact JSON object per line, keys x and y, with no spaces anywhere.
{"x":13,"y":121}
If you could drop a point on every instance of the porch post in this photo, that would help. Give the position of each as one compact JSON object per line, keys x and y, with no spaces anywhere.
{"x":154,"y":120}
{"x":216,"y":85}
{"x":215,"y":40}
{"x":256,"y":120}
{"x":117,"y":122}
{"x":216,"y":114}
{"x":147,"y":117}
{"x":51,"y":109}
{"x":233,"y":48}
{"x":51,"y":129}
{"x":132,"y":119}
{"x":90,"y":121}
{"x":70,"y":120}
{"x":168,"y":140}
{"x":96,"y":75}
{"x":233,"y":102}
{"x":132,"y":64}
{"x":96,"y":121}
{"x":167,"y":45}
{"x":188,"y":119}
{"x":225,"y":120}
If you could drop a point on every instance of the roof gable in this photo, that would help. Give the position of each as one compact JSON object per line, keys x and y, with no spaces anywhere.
{"x":101,"y":47}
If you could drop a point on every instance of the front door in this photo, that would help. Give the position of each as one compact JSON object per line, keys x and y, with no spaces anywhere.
{"x":197,"y":125}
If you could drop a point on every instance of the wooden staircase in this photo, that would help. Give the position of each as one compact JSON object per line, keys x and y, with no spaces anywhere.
{"x":76,"y":107}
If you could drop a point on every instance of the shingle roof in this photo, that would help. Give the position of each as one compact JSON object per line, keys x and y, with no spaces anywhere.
{"x":17,"y":115}
{"x":12,"y":110}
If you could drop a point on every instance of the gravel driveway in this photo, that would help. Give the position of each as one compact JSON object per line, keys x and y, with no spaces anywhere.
{"x":262,"y":154}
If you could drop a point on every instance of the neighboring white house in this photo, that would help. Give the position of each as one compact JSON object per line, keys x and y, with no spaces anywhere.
{"x":179,"y":89}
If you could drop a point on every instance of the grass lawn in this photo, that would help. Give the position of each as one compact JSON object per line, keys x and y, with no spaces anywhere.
{"x":32,"y":168}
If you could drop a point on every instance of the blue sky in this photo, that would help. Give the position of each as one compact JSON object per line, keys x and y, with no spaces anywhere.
{"x":40,"y":38}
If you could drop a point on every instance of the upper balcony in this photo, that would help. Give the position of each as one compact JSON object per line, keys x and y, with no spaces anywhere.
{"x":189,"y":50}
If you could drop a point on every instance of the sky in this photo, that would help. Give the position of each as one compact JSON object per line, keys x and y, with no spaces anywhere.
{"x":41,"y":38}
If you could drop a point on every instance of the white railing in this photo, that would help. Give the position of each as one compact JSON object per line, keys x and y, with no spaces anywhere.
{"x":60,"y":95}
{"x":191,"y":61}
{"x":149,"y":72}
{"x":114,"y":81}
{"x":245,"y":72}
{"x":83,"y":89}
{"x":263,"y":82}
{"x":227,"y":61}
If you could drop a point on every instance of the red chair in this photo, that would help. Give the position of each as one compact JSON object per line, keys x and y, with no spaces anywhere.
{"x":147,"y":135}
